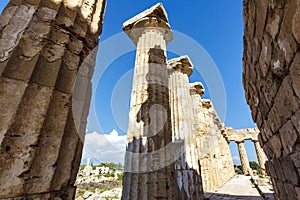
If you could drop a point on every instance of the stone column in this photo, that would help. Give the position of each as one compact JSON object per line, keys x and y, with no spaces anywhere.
{"x":200,"y":132}
{"x":182,"y":128}
{"x":260,"y":156}
{"x":88,"y":168}
{"x":213,"y":150}
{"x":243,"y":157}
{"x":196,"y":91}
{"x":148,"y":175}
{"x":46,"y":48}
{"x":180,"y":99}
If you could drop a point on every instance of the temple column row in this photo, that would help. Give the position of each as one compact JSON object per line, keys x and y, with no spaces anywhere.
{"x":203,"y":140}
{"x":190,"y":187}
{"x":213,"y":150}
{"x":244,"y":158}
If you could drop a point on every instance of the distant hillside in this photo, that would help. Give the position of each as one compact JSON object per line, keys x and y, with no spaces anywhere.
{"x":111,"y":165}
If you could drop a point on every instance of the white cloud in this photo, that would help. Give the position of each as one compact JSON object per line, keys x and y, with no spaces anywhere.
{"x":104,"y":147}
{"x":236,"y":159}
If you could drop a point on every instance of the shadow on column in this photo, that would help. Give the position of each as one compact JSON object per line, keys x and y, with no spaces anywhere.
{"x":150,"y":160}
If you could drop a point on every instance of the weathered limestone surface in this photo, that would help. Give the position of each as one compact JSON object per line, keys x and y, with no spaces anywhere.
{"x":241,"y":134}
{"x":148,"y":175}
{"x":213,"y":149}
{"x":182,"y":116}
{"x":46,"y":47}
{"x":271,"y":69}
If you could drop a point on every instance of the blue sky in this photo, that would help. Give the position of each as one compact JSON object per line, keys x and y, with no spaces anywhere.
{"x":216,"y":25}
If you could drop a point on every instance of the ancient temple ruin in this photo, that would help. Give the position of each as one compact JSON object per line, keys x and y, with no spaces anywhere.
{"x":240,"y":136}
{"x":177,"y":146}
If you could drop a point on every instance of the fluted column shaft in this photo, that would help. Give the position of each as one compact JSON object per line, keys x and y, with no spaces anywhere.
{"x":44,"y":49}
{"x":147,"y":175}
{"x":182,"y":110}
{"x":190,"y":187}
{"x":197,"y":118}
{"x":243,"y":157}
{"x":202,"y":139}
{"x":260,"y":156}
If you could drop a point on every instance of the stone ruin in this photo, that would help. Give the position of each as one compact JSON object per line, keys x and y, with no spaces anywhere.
{"x":177,"y":146}
{"x":271,"y":78}
{"x":47,"y":55}
{"x":213,"y":149}
{"x":239,"y":136}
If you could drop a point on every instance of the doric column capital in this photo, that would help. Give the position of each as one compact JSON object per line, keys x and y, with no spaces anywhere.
{"x":182,"y":64}
{"x":152,"y":18}
{"x":197,"y":88}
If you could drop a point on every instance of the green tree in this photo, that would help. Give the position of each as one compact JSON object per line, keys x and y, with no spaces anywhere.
{"x":238,"y":169}
{"x":120,"y":176}
{"x":254,"y":165}
{"x":82,"y":167}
